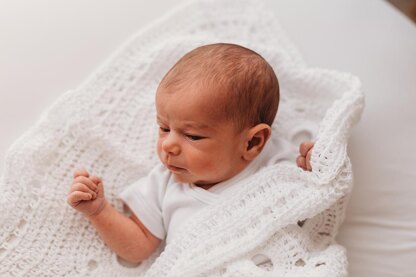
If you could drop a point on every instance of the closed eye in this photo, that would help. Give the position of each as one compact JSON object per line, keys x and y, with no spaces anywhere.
{"x":192,"y":137}
{"x":164,"y":130}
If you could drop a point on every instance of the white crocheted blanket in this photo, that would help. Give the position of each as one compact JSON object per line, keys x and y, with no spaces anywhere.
{"x":282,"y":214}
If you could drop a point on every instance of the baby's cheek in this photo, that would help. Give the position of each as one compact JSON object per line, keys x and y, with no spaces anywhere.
{"x":206,"y":164}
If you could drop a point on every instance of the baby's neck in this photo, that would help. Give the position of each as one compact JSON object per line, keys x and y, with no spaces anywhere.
{"x":206,"y":187}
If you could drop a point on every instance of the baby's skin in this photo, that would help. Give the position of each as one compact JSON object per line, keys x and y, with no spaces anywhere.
{"x":127,"y":236}
{"x":304,"y":159}
{"x":86,"y":193}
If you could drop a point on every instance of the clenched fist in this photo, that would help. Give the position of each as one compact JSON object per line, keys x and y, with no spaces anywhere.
{"x":86,"y":193}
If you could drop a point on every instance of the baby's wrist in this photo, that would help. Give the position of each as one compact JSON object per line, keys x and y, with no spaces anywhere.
{"x":99,"y":209}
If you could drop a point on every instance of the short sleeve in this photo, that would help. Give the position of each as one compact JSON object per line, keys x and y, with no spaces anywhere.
{"x":145,"y":196}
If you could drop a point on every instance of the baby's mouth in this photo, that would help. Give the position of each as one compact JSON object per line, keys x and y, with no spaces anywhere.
{"x":168,"y":163}
{"x":175,"y":168}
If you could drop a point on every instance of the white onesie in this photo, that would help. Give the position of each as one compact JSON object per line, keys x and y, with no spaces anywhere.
{"x":163,"y":205}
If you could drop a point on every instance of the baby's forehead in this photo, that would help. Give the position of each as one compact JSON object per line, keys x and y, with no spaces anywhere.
{"x":197,"y":88}
{"x":208,"y":102}
{"x":215,"y":100}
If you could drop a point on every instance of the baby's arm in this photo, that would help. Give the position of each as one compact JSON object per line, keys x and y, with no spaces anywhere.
{"x":126,"y":236}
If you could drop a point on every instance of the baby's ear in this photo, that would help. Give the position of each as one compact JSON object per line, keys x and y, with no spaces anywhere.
{"x":257,"y":137}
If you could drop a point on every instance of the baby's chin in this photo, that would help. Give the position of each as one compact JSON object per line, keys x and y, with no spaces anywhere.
{"x":183,"y":178}
{"x":189,"y":180}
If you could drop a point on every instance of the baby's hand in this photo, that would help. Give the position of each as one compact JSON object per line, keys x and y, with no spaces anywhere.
{"x":304,"y":159}
{"x":86,"y":193}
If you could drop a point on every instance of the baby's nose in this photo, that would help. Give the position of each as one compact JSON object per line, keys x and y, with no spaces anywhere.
{"x":171,"y":146}
{"x":172,"y":150}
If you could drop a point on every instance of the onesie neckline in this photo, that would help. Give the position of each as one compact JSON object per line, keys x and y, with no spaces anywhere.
{"x":220,"y":190}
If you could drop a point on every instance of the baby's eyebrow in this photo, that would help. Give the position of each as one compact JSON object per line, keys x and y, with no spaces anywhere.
{"x":189,"y":124}
{"x":159,"y":119}
{"x":198,"y":125}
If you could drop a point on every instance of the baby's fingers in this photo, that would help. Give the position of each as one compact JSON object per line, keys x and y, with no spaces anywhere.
{"x":81,"y":172}
{"x":308,"y":161}
{"x":305,"y":147}
{"x":76,"y":197}
{"x":95,"y":179}
{"x":100,"y":189}
{"x":83,"y":188}
{"x":86,"y":181}
{"x":301,"y":162}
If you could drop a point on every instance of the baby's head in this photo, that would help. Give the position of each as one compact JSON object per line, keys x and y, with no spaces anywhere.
{"x":214,"y":108}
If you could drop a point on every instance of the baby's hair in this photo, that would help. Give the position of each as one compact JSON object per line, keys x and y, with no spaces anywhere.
{"x":245,"y":85}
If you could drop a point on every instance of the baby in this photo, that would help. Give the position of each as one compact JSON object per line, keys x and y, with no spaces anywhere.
{"x":215,"y":108}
